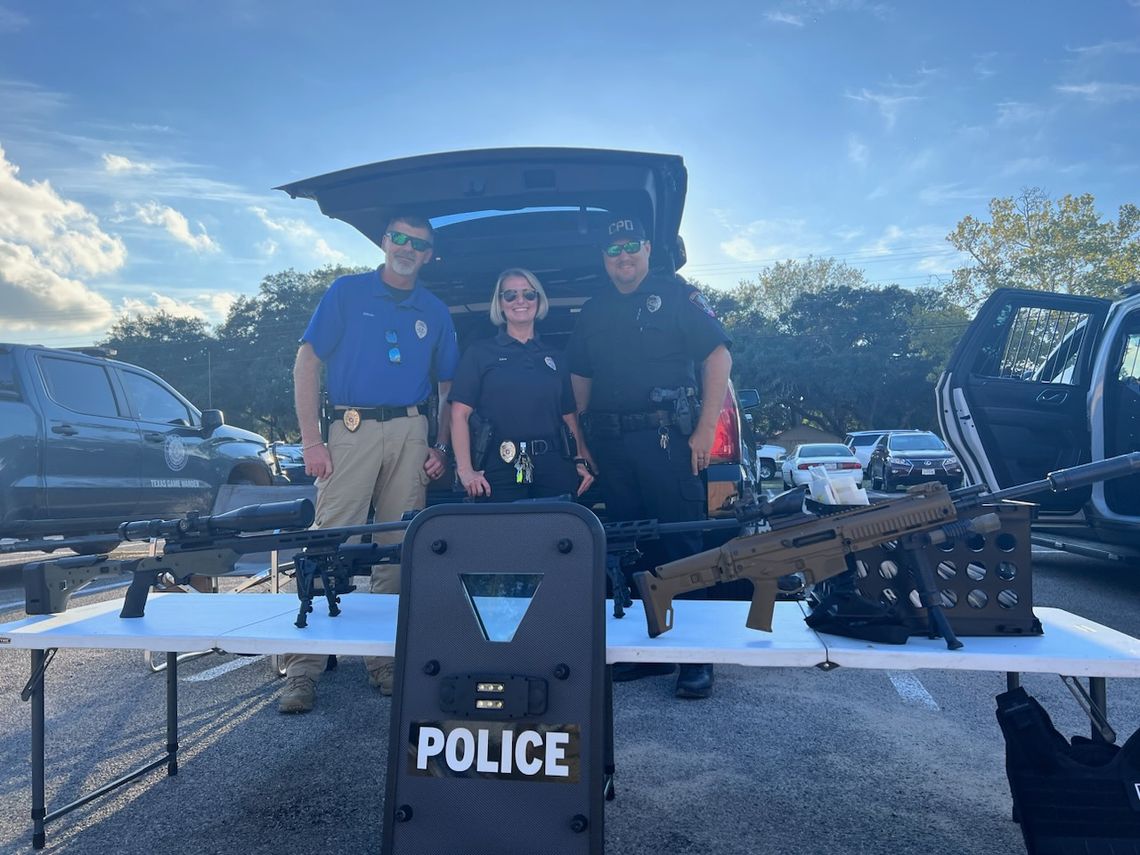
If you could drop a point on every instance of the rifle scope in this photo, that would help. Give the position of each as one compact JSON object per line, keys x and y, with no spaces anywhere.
{"x":296,"y":514}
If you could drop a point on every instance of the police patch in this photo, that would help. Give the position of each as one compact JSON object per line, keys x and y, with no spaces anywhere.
{"x":550,"y":363}
{"x":653,"y":302}
{"x":698,"y":300}
{"x":421,"y":329}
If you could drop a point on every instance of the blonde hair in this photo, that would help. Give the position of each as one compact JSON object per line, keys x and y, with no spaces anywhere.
{"x":497,"y":311}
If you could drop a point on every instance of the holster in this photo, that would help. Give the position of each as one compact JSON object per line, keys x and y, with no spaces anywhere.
{"x":481,"y":431}
{"x":569,"y":446}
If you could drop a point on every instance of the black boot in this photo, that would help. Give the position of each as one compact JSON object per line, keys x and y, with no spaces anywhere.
{"x":623,"y":672}
{"x":695,"y":681}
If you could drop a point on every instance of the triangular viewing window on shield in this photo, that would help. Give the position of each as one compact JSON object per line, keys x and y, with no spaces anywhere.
{"x":499,"y":600}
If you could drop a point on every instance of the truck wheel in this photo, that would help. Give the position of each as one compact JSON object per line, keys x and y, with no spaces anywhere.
{"x":766,"y":469}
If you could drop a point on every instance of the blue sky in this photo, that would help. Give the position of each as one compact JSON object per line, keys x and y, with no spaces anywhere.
{"x":141,"y":140}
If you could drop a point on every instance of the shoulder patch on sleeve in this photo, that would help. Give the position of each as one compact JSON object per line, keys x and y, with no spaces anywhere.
{"x":698,"y":300}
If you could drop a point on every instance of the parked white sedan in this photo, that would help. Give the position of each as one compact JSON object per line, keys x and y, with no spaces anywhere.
{"x":837,"y":459}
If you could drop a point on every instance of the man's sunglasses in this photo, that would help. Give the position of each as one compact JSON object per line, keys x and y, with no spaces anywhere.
{"x":394,"y":351}
{"x":418,"y":244}
{"x":631,"y":246}
{"x":510,"y":295}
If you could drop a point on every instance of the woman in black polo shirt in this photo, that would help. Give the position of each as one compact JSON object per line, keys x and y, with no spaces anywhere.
{"x":520,"y":387}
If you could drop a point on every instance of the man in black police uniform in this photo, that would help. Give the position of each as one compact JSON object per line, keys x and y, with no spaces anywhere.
{"x":642,"y":358}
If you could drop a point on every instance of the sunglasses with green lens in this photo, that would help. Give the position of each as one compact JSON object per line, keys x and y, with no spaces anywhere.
{"x":418,"y":244}
{"x":630,"y":246}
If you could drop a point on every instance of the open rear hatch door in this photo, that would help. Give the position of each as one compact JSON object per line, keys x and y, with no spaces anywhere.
{"x":540,"y":208}
{"x":1013,"y":402}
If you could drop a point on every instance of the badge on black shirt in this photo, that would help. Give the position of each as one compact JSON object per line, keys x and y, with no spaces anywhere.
{"x":550,"y":363}
{"x":653,"y":302}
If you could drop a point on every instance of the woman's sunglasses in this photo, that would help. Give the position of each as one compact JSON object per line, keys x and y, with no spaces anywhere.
{"x":510,"y":295}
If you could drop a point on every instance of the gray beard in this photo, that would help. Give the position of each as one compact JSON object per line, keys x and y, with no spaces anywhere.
{"x":403,"y":266}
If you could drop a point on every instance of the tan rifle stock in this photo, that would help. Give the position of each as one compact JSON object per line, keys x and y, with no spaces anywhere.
{"x":817,"y":548}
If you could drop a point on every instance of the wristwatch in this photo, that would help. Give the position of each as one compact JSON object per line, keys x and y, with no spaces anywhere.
{"x":442,"y":446}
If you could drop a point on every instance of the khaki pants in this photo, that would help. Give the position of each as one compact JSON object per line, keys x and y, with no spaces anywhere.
{"x":381,"y":463}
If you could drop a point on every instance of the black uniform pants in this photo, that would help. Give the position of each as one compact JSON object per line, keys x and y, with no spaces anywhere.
{"x":553,"y":475}
{"x":642,"y":480}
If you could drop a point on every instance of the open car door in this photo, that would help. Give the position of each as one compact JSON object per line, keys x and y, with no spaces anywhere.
{"x":1013,"y":402}
{"x":1115,"y":417}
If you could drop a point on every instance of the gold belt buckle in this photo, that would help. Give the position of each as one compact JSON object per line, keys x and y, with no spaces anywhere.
{"x":351,"y":419}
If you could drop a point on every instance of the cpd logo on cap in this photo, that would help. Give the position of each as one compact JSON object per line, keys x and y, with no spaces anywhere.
{"x":621,"y":226}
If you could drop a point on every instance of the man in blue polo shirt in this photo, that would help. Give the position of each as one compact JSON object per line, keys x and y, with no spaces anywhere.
{"x":382,"y":337}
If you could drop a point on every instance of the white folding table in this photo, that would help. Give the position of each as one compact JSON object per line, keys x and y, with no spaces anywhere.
{"x":704,"y":631}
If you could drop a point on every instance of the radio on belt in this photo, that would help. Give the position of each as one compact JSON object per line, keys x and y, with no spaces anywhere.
{"x":499,"y":701}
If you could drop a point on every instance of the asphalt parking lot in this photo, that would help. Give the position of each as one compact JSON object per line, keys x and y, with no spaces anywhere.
{"x":778,"y":761}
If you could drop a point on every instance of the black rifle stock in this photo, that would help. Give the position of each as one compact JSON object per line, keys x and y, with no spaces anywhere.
{"x":818,"y":547}
{"x":210,"y":546}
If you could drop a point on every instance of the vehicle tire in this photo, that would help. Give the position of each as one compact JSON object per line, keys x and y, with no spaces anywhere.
{"x":787,"y":486}
{"x":765,"y":470}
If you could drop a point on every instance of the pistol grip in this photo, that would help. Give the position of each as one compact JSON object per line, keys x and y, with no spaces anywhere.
{"x":657,"y":602}
{"x":763,"y":604}
{"x":134,"y":605}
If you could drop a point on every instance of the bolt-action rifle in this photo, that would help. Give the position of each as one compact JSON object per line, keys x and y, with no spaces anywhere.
{"x":817,"y":546}
{"x":209,"y":546}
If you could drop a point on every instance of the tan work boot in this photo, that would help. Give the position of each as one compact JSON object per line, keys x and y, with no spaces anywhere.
{"x":298,"y":695}
{"x":382,"y":676}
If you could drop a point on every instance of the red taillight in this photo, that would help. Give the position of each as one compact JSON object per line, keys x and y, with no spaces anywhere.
{"x":855,"y":464}
{"x":726,"y":440}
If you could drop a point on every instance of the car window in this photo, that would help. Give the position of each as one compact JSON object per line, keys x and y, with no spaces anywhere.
{"x":1129,"y":364}
{"x":153,"y":402}
{"x":835,"y":450}
{"x":863,"y":440}
{"x":84,"y":387}
{"x":9,"y":388}
{"x":1035,"y":344}
{"x":916,"y":442}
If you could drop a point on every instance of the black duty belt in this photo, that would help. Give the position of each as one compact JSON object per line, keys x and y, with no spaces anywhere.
{"x":627,"y":422}
{"x":353,"y":416}
{"x":534,"y":446}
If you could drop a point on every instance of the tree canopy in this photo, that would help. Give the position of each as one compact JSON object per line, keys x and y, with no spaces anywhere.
{"x":1032,"y":241}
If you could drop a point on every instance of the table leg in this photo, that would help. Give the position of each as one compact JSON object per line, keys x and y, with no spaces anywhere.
{"x":608,"y":751}
{"x":39,"y":805}
{"x":1098,"y":694}
{"x":172,"y":713}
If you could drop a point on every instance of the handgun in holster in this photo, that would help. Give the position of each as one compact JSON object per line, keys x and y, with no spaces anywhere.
{"x":685,"y":404}
{"x":569,"y":443}
{"x":481,"y":433}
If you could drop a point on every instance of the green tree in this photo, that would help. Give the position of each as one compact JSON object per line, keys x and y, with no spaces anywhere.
{"x":257,"y":346}
{"x":778,"y":286}
{"x":1033,"y":242}
{"x":173,"y":347}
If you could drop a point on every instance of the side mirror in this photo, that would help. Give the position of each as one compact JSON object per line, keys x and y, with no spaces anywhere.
{"x":748,"y":398}
{"x":212,"y":420}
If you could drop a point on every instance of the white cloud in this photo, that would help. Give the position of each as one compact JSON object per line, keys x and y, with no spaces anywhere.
{"x":298,"y":233}
{"x":769,"y":241}
{"x":176,"y":225}
{"x":12,"y":22}
{"x":857,"y":152}
{"x":1015,"y":112}
{"x":785,"y":18}
{"x":1103,"y":93}
{"x":983,"y":65}
{"x":1106,"y":48}
{"x":211,"y":308}
{"x":117,"y":163}
{"x":889,"y":106}
{"x":937,"y":194}
{"x":48,"y":244}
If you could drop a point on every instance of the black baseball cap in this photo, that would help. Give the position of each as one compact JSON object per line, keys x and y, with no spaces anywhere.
{"x":623,"y":229}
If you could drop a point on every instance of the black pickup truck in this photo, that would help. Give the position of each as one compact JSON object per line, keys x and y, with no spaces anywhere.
{"x":87,"y":442}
